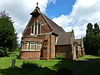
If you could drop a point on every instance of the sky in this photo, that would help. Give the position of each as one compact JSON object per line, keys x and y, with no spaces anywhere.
{"x":69,"y":14}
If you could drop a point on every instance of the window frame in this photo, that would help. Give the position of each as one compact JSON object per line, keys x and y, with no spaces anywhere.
{"x":38,"y":44}
{"x":23,"y":44}
{"x":33,"y":45}
{"x":36,"y":28}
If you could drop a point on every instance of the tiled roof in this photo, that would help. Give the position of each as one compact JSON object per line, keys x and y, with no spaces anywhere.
{"x":56,"y":29}
{"x":64,"y":38}
{"x":78,"y":41}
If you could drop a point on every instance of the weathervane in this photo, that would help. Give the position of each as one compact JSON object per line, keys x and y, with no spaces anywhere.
{"x":37,"y":4}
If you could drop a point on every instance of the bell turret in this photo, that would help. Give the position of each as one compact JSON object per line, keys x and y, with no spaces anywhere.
{"x":36,"y":12}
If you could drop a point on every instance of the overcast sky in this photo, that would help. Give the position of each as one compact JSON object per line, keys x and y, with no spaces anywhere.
{"x":70,"y":14}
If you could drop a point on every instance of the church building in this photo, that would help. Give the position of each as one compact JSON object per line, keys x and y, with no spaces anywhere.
{"x":43,"y":38}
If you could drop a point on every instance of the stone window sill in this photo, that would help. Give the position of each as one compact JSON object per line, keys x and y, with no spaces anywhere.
{"x":31,"y":50}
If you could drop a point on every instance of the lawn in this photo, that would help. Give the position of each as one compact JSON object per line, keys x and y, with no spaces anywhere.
{"x":50,"y":66}
{"x":87,"y":57}
{"x":91,"y":68}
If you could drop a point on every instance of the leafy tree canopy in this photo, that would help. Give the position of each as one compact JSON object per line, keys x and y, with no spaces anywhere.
{"x":8,"y":37}
{"x":92,"y":39}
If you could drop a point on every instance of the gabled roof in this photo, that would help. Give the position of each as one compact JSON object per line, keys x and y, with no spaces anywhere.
{"x":56,"y":29}
{"x":64,"y":38}
{"x":78,"y":41}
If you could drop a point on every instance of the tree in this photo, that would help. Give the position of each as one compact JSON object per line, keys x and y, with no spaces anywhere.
{"x":92,"y":39}
{"x":89,"y":38}
{"x":96,"y":29}
{"x":8,"y":37}
{"x":6,"y":33}
{"x":89,"y":29}
{"x":16,"y":42}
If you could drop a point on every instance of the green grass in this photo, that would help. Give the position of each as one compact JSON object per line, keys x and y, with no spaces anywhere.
{"x":98,"y":57}
{"x":50,"y":66}
{"x":89,"y":57}
{"x":86,"y":57}
{"x":93,"y":68}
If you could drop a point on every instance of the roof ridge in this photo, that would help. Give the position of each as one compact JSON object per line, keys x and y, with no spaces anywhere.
{"x":45,"y":18}
{"x":68,"y":32}
{"x":52,"y":21}
{"x":56,"y":28}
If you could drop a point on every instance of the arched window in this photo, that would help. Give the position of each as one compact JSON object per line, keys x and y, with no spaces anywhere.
{"x":32,"y":30}
{"x":39,"y":28}
{"x":35,"y":28}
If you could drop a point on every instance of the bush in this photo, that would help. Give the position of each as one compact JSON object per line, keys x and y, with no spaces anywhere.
{"x":18,"y":49}
{"x":59,"y":57}
{"x":28,"y":67}
{"x":12,"y":54}
{"x":41,"y":58}
{"x":98,"y":52}
{"x":3,"y":51}
{"x":80,"y":55}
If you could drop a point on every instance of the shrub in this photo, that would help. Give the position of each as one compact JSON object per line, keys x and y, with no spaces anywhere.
{"x":98,"y":52}
{"x":41,"y":58}
{"x":80,"y":55}
{"x":3,"y":51}
{"x":59,"y":57}
{"x":12,"y":54}
{"x":28,"y":67}
{"x":18,"y":49}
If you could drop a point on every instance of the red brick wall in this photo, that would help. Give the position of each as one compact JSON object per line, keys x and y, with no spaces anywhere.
{"x":52,"y":53}
{"x":64,"y":50}
{"x":44,"y":28}
{"x":42,"y":37}
{"x":46,"y":48}
{"x":80,"y":51}
{"x":30,"y":55}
